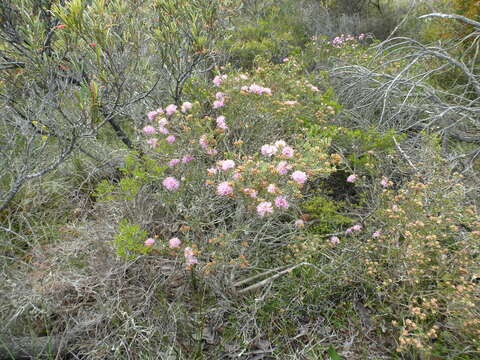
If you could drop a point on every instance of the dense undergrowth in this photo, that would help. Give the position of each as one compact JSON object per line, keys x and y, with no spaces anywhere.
{"x":272,"y":186}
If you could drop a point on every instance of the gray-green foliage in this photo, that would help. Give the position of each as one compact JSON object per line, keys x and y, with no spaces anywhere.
{"x":70,"y":68}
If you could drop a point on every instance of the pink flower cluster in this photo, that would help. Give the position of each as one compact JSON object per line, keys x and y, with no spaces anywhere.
{"x":190,"y":258}
{"x":257,"y":89}
{"x":220,"y":100}
{"x":217,"y":80}
{"x":221,"y":123}
{"x":354,"y":228}
{"x":352,"y":178}
{"x":152,"y":115}
{"x":171,"y":184}
{"x":343,"y":39}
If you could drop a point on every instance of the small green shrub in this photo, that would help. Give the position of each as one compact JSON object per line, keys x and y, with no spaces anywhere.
{"x":129,"y":241}
{"x":325,"y":215}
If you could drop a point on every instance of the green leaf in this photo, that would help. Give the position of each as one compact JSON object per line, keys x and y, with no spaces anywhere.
{"x":333,"y":354}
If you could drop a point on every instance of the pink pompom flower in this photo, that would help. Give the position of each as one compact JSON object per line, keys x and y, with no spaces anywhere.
{"x":384,"y":181}
{"x":217,"y":104}
{"x":299,"y":177}
{"x":224,"y":189}
{"x":171,"y":184}
{"x":217,"y":81}
{"x":149,"y":130}
{"x":226,"y":165}
{"x":221,"y":123}
{"x":173,"y":162}
{"x":281,"y":202}
{"x":288,"y":152}
{"x":171,"y":109}
{"x":283,"y":167}
{"x":352,"y":178}
{"x":334,"y":240}
{"x":174,"y":243}
{"x":190,"y":258}
{"x":264,"y":208}
{"x":149,"y":242}
{"x":268,"y":150}
{"x":170,"y":139}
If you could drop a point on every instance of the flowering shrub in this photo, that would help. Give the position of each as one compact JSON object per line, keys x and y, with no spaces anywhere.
{"x":195,"y":151}
{"x":421,"y":264}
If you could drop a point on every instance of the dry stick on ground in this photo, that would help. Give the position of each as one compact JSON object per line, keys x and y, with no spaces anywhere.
{"x":266,"y":281}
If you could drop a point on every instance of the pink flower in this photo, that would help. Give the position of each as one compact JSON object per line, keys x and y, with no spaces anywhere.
{"x":384,"y":182}
{"x":236,"y":175}
{"x":170,"y":183}
{"x":163,"y":130}
{"x":352,"y":178}
{"x":190,"y":258}
{"x":299,"y":223}
{"x":255,"y":89}
{"x":287,"y":151}
{"x":268,"y":150}
{"x":361,"y":36}
{"x":186,"y":159}
{"x":283,"y":167}
{"x":217,"y":81}
{"x":264,"y":208}
{"x":173,"y":162}
{"x":224,"y":189}
{"x":349,"y":230}
{"x":334,"y":240}
{"x":299,"y":177}
{"x":357,"y":227}
{"x":285,"y":60}
{"x":267,"y":91}
{"x":244,"y":88}
{"x":149,"y":242}
{"x":226,"y":165}
{"x":376,"y":234}
{"x":186,"y":106}
{"x":203,"y":141}
{"x":221,"y":123}
{"x":272,"y":189}
{"x":153,"y":142}
{"x":219,"y":95}
{"x":149,"y":130}
{"x":163,"y":122}
{"x":171,"y":109}
{"x":170,"y":139}
{"x":218,"y":104}
{"x":281,"y":202}
{"x":153,"y":114}
{"x":174,"y":243}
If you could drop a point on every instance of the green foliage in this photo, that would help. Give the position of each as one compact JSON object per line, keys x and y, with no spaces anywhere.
{"x":129,"y":241}
{"x":275,"y":35}
{"x":325,"y":215}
